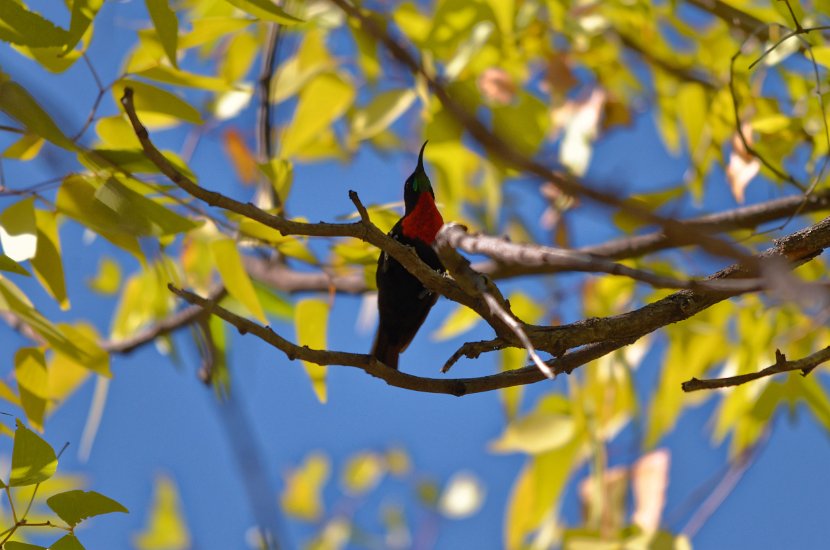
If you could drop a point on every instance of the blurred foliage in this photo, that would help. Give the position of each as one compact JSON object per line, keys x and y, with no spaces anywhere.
{"x":549,"y":76}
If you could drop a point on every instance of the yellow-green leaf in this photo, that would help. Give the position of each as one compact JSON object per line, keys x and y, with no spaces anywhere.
{"x":302,"y":497}
{"x":461,"y":320}
{"x":166,"y":25}
{"x":523,"y":125}
{"x":165,"y":528}
{"x":25,"y":148}
{"x":155,"y":105}
{"x":363,"y":472}
{"x":76,"y":199}
{"x":18,"y":230}
{"x":7,"y":264}
{"x":21,"y":26}
{"x":265,"y":10}
{"x":16,"y":102}
{"x":75,"y":506}
{"x":108,"y":279}
{"x":311,"y":321}
{"x":231,"y":269}
{"x":322,"y":101}
{"x":384,"y":109}
{"x":83,"y":12}
{"x":535,"y":433}
{"x":33,"y":383}
{"x":33,"y":460}
{"x":47,"y":263}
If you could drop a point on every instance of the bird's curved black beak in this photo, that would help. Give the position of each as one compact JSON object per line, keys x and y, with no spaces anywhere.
{"x":421,"y":157}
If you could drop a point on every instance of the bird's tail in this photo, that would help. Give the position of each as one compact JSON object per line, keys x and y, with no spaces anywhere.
{"x":384,"y":351}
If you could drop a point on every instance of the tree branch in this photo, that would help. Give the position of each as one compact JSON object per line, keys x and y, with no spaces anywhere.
{"x":457,"y":386}
{"x":805,"y":365}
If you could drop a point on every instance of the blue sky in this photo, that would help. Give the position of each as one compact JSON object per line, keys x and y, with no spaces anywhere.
{"x":160,"y":419}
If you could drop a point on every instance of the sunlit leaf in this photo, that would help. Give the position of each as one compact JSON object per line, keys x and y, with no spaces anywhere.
{"x":311,"y":323}
{"x":68,"y":542}
{"x":384,"y":109}
{"x":83,"y":13}
{"x":33,"y":384}
{"x":302,"y":497}
{"x":363,"y":472}
{"x":461,"y":320}
{"x":75,"y":506}
{"x":166,"y":25}
{"x":649,"y":480}
{"x":18,"y":230}
{"x":33,"y":460}
{"x":523,"y":124}
{"x":266,"y":11}
{"x":16,"y":102}
{"x":48,"y":262}
{"x":21,"y":26}
{"x":108,"y":279}
{"x":165,"y":527}
{"x":25,"y":148}
{"x":322,"y":101}
{"x":231,"y":269}
{"x":156,"y":106}
{"x":536,"y":433}
{"x":7,"y":264}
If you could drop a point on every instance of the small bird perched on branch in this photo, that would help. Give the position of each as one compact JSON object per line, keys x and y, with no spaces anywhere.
{"x":403,"y":301}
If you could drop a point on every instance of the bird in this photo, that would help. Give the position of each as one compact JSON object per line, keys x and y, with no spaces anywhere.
{"x":403,"y":301}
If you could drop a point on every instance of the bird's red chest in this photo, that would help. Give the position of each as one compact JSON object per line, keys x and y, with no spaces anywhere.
{"x":424,"y":221}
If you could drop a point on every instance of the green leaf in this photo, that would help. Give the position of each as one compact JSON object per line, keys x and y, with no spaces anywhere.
{"x":47,"y":263}
{"x":7,"y":264}
{"x":83,"y":12}
{"x":91,"y":356}
{"x":156,"y":106}
{"x":68,"y":542}
{"x":139,"y":214}
{"x":302,"y":497}
{"x":33,"y":460}
{"x":167,"y":27}
{"x":18,"y":230}
{"x":108,"y":279}
{"x":166,"y":527}
{"x":322,"y":101}
{"x":21,"y":26}
{"x":363,"y":472}
{"x":12,"y":299}
{"x":16,"y":102}
{"x":75,"y":506}
{"x":384,"y":109}
{"x":33,"y":384}
{"x":536,"y":433}
{"x":26,"y":148}
{"x":171,"y":75}
{"x":265,"y":10}
{"x":231,"y":269}
{"x":461,"y":320}
{"x":523,"y":125}
{"x":16,"y":545}
{"x":310,"y":322}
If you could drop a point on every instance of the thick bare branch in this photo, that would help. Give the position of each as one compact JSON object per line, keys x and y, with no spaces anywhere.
{"x":805,"y":365}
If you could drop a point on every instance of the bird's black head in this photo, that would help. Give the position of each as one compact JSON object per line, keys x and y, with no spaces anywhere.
{"x":417,"y":183}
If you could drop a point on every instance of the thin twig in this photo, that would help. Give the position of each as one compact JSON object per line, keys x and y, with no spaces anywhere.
{"x":805,"y":365}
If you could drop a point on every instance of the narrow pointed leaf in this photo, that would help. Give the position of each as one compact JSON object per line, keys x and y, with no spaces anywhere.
{"x":69,"y":542}
{"x":167,"y":26}
{"x":231,"y":269}
{"x":266,"y":10}
{"x":47,"y":263}
{"x":83,"y":12}
{"x":26,"y":28}
{"x":33,"y":383}
{"x":16,"y":102}
{"x":311,"y":320}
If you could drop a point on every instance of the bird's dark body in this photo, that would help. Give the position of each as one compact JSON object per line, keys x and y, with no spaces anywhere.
{"x":403,"y":301}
